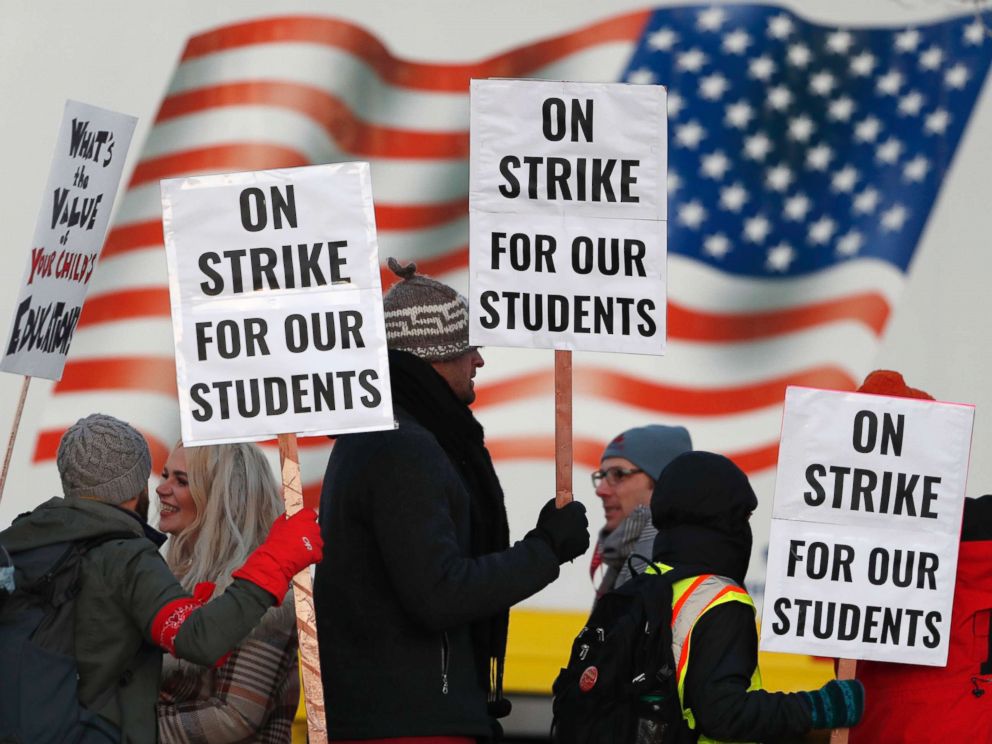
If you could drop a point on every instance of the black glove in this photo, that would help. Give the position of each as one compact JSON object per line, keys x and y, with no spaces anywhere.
{"x":566,"y":530}
{"x":838,"y":704}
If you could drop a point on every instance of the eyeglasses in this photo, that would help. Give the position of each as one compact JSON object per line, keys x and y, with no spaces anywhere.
{"x":613,"y":475}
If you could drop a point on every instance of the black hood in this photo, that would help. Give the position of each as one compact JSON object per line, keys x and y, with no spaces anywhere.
{"x":701,"y":506}
{"x":977,"y":521}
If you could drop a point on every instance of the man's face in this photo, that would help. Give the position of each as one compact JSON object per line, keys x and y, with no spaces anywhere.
{"x":625,"y":494}
{"x":458,"y":373}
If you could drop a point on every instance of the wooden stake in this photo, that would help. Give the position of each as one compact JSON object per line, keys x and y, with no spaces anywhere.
{"x":13,"y":433}
{"x":306,"y":622}
{"x":563,"y":428}
{"x":846,"y":669}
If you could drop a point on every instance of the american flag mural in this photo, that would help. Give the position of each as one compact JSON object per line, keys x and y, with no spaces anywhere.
{"x":804,"y":162}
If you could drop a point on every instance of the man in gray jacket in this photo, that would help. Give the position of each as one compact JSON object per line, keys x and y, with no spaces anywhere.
{"x":628,"y":469}
{"x":130,"y":608}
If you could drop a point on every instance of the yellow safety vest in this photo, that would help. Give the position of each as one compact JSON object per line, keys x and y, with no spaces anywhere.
{"x":691,"y":599}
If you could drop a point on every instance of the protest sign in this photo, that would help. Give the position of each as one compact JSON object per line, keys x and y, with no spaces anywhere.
{"x":568,"y":215}
{"x":276,"y":303}
{"x":82,"y":183}
{"x":865,"y":525}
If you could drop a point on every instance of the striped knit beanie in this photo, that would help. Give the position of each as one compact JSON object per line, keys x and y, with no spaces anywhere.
{"x":104,"y":458}
{"x":424,"y":317}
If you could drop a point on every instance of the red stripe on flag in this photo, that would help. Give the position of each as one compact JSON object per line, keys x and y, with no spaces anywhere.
{"x":46,"y":447}
{"x":630,"y":390}
{"x":130,"y":237}
{"x":869,"y":308}
{"x":352,"y":134}
{"x":453,"y":261}
{"x":140,"y":235}
{"x":125,"y":305}
{"x":688,"y":326}
{"x":586,"y":453}
{"x":685,"y":324}
{"x":145,"y":374}
{"x":245,"y":156}
{"x":416,"y":216}
{"x":452,"y":78}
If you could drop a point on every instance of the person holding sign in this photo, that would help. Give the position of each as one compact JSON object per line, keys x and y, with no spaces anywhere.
{"x":949,"y":703}
{"x":628,"y":469}
{"x":217,"y":502}
{"x":701,"y":506}
{"x":129,"y":607}
{"x":413,"y":596}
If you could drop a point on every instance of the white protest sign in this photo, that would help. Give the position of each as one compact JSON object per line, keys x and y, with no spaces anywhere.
{"x":864,"y":538}
{"x":276,"y":303}
{"x":568,"y":215}
{"x":82,"y":183}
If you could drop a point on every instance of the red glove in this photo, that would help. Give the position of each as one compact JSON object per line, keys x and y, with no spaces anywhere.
{"x":170,"y":618}
{"x":292,"y":545}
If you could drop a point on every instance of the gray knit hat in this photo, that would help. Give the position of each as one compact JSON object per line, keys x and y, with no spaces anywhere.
{"x":650,"y":447}
{"x":103,"y":457}
{"x":424,"y":317}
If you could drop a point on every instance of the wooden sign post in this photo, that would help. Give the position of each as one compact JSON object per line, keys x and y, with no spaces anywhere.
{"x":306,"y":622}
{"x":13,"y":433}
{"x":563,"y":427}
{"x":846,"y":669}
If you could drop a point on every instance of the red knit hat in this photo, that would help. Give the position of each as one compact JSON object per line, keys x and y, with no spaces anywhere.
{"x":887,"y":382}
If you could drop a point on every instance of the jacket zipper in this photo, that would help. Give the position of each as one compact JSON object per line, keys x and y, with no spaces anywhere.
{"x":444,"y":663}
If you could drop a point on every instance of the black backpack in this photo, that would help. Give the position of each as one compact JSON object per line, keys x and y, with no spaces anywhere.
{"x":38,"y":675}
{"x":620,"y":685}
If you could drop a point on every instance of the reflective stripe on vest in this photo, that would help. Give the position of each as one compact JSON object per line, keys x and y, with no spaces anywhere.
{"x":691,"y":599}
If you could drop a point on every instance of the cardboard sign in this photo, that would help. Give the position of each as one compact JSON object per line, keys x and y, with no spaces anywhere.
{"x":276,"y":304}
{"x":864,"y":538}
{"x":568,"y":215}
{"x":72,"y":224}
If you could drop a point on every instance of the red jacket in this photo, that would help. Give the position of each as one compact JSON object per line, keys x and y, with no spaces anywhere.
{"x":919,"y":704}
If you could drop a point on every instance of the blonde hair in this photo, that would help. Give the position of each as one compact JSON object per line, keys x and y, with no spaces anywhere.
{"x":237,"y":500}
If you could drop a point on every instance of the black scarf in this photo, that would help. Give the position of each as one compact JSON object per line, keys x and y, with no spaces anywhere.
{"x":425,"y":395}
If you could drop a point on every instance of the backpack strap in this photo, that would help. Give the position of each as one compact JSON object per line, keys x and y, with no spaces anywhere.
{"x":643,"y":559}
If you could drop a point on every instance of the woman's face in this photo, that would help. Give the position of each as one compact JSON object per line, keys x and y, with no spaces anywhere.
{"x":177,"y":510}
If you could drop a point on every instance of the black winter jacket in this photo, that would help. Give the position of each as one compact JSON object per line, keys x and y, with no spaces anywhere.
{"x":701,"y":506}
{"x":397,"y":589}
